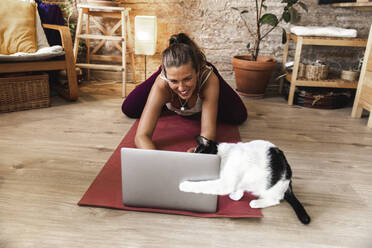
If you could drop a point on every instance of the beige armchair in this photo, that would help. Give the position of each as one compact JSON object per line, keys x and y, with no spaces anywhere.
{"x":65,"y":62}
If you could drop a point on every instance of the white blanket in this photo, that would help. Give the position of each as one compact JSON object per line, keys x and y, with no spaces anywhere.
{"x":41,"y":54}
{"x":323,"y":31}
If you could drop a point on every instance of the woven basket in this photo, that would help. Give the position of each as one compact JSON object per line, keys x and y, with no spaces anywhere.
{"x":323,"y":98}
{"x":24,"y":92}
{"x":316,"y":72}
{"x":301,"y":70}
{"x":349,"y":75}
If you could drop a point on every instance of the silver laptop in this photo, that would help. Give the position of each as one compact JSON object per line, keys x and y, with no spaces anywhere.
{"x":150,"y":178}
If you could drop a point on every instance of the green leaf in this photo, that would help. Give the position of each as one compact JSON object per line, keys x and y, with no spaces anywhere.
{"x":303,"y":6}
{"x":248,"y":45}
{"x":269,"y":19}
{"x":63,"y":6}
{"x":284,"y":36}
{"x":234,"y":8}
{"x":286,"y":16}
{"x":264,"y":6}
{"x":244,"y":11}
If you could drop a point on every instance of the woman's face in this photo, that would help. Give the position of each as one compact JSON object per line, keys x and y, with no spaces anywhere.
{"x":182,"y":80}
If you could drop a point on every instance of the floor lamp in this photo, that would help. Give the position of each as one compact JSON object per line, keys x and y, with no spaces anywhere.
{"x":145,"y":29}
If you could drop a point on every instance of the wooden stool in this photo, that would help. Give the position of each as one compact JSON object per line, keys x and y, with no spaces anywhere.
{"x":126,"y":39}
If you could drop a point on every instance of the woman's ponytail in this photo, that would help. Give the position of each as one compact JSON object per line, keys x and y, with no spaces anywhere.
{"x":181,"y":51}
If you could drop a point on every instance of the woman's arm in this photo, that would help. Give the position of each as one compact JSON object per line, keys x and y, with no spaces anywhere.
{"x":158,"y":96}
{"x":210,"y":93}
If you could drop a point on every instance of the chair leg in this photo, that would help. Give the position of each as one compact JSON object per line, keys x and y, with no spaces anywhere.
{"x":72,"y":81}
{"x":291,"y":94}
{"x":123,"y":53}
{"x":78,"y":32}
{"x":87,"y":42}
{"x":357,"y":111}
{"x":133,"y":67}
{"x":369,"y":123}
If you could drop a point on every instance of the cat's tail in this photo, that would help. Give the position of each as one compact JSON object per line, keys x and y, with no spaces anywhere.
{"x":296,"y":205}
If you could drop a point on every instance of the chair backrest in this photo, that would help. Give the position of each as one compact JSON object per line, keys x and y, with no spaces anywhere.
{"x":363,"y":97}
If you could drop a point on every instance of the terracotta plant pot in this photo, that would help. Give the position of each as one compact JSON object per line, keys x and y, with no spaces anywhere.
{"x":252,"y":77}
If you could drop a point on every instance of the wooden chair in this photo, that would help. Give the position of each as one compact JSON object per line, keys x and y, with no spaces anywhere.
{"x":65,"y":62}
{"x":363,"y":97}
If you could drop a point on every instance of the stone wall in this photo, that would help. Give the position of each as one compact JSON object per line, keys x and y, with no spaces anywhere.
{"x":220,"y":32}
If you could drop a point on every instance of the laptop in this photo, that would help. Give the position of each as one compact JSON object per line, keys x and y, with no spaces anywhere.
{"x":150,"y":178}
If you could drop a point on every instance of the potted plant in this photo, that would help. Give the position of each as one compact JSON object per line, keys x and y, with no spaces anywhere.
{"x":253,"y":72}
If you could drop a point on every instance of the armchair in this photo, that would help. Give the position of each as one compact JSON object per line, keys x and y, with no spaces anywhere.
{"x":65,"y":62}
{"x":24,"y":46}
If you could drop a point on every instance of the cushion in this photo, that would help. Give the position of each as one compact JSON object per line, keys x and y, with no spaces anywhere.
{"x":42,"y":41}
{"x":41,"y":54}
{"x":17,"y":27}
{"x":51,"y":14}
{"x":323,"y":31}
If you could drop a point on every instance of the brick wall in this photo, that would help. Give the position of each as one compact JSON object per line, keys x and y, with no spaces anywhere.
{"x":221,"y":34}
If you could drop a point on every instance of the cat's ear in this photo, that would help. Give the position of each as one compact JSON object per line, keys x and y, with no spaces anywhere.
{"x":205,"y":145}
{"x":201,"y":140}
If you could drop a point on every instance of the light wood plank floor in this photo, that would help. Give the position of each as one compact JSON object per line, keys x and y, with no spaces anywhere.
{"x":49,"y":157}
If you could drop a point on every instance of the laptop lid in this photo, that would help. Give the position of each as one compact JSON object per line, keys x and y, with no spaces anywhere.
{"x":150,"y":178}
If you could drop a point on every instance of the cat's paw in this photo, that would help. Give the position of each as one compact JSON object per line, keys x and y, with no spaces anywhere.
{"x":236,"y":196}
{"x":263,"y":203}
{"x":255,"y":204}
{"x":185,"y":186}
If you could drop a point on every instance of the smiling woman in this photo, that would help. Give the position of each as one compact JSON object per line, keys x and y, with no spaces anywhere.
{"x":187,"y":85}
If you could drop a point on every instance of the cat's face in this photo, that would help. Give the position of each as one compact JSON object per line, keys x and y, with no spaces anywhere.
{"x":206,"y":146}
{"x":182,"y":80}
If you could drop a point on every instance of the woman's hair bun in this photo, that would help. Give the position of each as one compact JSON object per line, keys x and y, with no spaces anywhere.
{"x":179,"y":38}
{"x":173,"y":40}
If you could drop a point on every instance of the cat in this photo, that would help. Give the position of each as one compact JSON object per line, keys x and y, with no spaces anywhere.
{"x":258,"y":167}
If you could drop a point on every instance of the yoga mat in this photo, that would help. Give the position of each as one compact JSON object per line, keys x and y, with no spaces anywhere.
{"x":173,"y":133}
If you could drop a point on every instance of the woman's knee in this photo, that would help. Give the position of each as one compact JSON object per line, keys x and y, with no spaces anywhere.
{"x":129,"y":112}
{"x":234,"y":117}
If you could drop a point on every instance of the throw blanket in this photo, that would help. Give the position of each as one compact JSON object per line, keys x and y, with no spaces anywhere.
{"x":323,"y":31}
{"x":41,"y":54}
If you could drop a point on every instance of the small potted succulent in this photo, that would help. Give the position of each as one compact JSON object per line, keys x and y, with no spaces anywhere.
{"x":253,"y":72}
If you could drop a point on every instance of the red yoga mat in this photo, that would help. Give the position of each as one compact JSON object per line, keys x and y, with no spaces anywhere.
{"x":173,"y":133}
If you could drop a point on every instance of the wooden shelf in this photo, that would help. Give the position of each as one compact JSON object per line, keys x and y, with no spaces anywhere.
{"x":331,"y":83}
{"x":100,"y":37}
{"x":101,"y":67}
{"x":329,"y":41}
{"x":359,"y":5}
{"x":317,"y":41}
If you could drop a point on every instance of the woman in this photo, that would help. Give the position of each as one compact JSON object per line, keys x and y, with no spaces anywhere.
{"x":187,"y":85}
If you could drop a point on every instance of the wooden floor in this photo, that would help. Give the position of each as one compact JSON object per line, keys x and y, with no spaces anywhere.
{"x":49,"y":157}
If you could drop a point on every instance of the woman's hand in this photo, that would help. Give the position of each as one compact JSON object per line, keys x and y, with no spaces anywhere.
{"x":192,"y":149}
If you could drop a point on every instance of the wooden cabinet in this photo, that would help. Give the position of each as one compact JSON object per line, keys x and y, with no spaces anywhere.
{"x":315,"y":41}
{"x":363,"y":97}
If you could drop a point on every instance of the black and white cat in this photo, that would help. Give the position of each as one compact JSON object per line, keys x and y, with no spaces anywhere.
{"x":258,"y":167}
